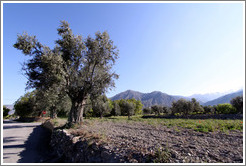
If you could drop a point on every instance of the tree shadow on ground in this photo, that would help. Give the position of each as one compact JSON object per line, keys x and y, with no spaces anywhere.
{"x":9,"y":121}
{"x":9,"y":139}
{"x":17,"y":126}
{"x":37,"y":149}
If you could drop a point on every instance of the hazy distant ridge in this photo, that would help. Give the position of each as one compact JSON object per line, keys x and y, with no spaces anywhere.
{"x":159,"y":98}
{"x":224,"y":99}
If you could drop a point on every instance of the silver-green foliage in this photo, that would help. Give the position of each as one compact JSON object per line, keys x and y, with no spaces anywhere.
{"x":5,"y":111}
{"x":116,"y":111}
{"x":127,"y":108}
{"x":26,"y":105}
{"x":80,"y":67}
{"x":237,"y":102}
{"x":225,"y":109}
{"x":186,"y":107}
{"x":100,"y":106}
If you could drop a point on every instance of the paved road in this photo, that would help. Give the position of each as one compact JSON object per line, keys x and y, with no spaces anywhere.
{"x":25,"y":142}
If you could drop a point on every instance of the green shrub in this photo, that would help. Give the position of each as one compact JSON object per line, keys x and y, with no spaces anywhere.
{"x":162,"y":155}
{"x":225,"y":109}
{"x":5,"y":111}
{"x":146,"y":111}
{"x":177,"y":114}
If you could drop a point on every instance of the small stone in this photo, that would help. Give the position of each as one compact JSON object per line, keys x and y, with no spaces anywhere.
{"x":174,"y":154}
{"x":133,"y":161}
{"x":192,"y":147}
{"x":75,"y":139}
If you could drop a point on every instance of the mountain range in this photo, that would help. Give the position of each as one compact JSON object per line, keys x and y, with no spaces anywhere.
{"x":159,"y":98}
{"x":224,"y":99}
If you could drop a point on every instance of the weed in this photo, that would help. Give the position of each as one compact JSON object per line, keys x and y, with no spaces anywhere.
{"x":162,"y":155}
{"x":176,"y":129}
{"x":55,"y":123}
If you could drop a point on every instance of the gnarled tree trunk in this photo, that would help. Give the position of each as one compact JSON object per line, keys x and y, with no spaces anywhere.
{"x":53,"y":112}
{"x":76,"y":112}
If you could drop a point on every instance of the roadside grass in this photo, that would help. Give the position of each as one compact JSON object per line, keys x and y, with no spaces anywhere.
{"x":200,"y":125}
{"x":58,"y":122}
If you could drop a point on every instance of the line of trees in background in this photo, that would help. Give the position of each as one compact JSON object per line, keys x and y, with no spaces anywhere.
{"x":35,"y":102}
{"x":184,"y":107}
{"x":103,"y":106}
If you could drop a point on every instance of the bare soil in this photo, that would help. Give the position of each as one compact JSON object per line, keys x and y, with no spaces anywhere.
{"x":138,"y":142}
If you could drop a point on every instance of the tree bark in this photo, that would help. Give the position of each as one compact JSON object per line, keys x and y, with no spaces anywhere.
{"x":53,"y":113}
{"x":76,"y":112}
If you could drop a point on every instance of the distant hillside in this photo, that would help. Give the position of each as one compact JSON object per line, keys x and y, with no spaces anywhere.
{"x":203,"y":98}
{"x":224,"y":99}
{"x":129,"y":94}
{"x":148,"y":99}
{"x":11,"y":107}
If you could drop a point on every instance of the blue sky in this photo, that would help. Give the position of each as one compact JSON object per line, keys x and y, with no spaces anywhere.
{"x":176,"y":48}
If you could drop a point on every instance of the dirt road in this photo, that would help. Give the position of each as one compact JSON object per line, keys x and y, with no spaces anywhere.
{"x":25,"y":142}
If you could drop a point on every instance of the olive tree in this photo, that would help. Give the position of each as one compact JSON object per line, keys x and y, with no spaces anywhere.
{"x":79,"y":67}
{"x":138,"y":107}
{"x":127,"y":108}
{"x":146,"y":110}
{"x":237,"y":102}
{"x":25,"y":106}
{"x":209,"y":109}
{"x":5,"y":111}
{"x":116,"y":109}
{"x":225,"y":108}
{"x":88,"y":112}
{"x":157,"y":109}
{"x":196,"y":107}
{"x":182,"y":106}
{"x":166,"y":110}
{"x":101,"y":106}
{"x":53,"y":100}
